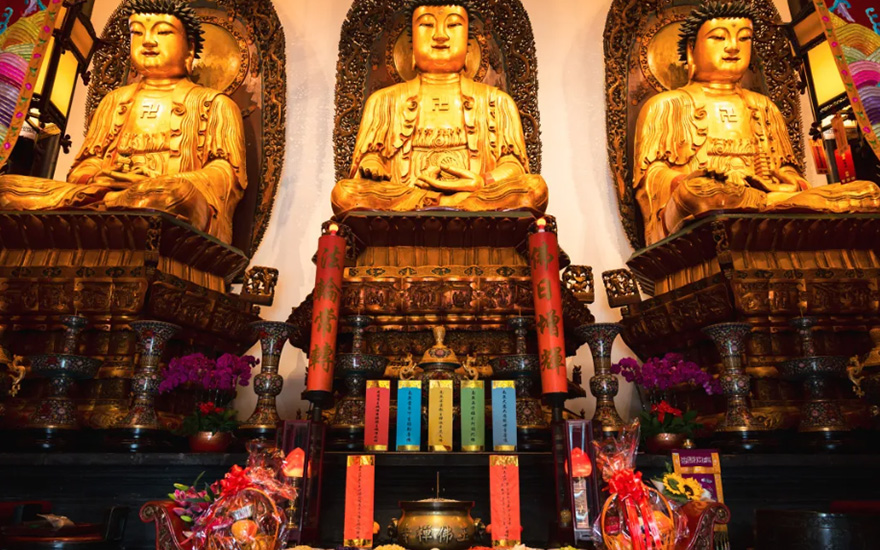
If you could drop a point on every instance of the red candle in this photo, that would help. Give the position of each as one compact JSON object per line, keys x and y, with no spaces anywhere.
{"x":544,"y":260}
{"x":326,"y":300}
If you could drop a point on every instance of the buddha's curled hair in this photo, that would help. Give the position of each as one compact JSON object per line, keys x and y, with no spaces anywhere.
{"x":727,"y":9}
{"x":179,"y":9}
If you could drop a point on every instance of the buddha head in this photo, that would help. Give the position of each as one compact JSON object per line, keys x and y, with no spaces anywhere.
{"x":716,"y":41}
{"x":166,"y":37}
{"x":440,"y":37}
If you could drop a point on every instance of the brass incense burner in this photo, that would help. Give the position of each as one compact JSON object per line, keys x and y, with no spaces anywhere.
{"x":436,"y":523}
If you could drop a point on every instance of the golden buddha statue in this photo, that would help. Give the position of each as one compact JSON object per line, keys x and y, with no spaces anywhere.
{"x":164,"y":143}
{"x":440,"y":140}
{"x":712,"y":145}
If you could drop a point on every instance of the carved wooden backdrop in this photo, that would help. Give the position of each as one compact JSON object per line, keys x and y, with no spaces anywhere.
{"x":372,"y":55}
{"x":639,"y":45}
{"x":244,"y":56}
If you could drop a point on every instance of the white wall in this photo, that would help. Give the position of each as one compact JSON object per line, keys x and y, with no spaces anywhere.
{"x":568,"y":34}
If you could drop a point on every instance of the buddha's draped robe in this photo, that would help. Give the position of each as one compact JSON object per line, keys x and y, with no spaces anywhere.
{"x":201,"y":163}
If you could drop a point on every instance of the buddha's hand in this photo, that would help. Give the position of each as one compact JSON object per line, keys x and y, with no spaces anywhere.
{"x":371,"y":169}
{"x":465,"y":180}
{"x":782,"y":181}
{"x":707,"y":181}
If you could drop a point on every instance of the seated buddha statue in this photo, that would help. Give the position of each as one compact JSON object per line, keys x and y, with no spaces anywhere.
{"x":712,"y":145}
{"x":164,"y":143}
{"x":440,"y":140}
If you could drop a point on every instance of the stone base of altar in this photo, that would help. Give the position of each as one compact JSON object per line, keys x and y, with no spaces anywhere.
{"x":113,"y":268}
{"x":763,"y":270}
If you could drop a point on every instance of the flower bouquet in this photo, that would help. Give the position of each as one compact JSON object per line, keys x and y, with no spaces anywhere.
{"x":635,"y":516}
{"x":680,"y":489}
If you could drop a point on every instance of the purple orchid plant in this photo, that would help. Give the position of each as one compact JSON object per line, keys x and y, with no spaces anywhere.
{"x":221,"y":374}
{"x":664,"y":373}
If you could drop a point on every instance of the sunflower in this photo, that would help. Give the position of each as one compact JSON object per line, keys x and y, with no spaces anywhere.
{"x":677,"y":485}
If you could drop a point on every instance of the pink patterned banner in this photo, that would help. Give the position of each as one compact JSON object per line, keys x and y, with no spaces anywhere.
{"x":853,"y":31}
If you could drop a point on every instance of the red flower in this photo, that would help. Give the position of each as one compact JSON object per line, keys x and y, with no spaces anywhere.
{"x":663,"y":408}
{"x":236,"y":480}
{"x":206,"y":408}
{"x":218,"y":410}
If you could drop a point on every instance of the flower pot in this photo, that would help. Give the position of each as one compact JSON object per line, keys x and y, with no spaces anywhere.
{"x":663,"y":443}
{"x":210,"y":442}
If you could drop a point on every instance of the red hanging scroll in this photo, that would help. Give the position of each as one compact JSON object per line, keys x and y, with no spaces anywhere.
{"x":504,"y":500}
{"x":326,"y":299}
{"x":360,"y":480}
{"x":544,"y":260}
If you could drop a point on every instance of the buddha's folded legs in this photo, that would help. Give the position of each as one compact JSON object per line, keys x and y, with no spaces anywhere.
{"x":360,"y":194}
{"x":855,"y":196}
{"x":30,"y":193}
{"x":176,"y":196}
{"x":524,"y":192}
{"x":696,"y":196}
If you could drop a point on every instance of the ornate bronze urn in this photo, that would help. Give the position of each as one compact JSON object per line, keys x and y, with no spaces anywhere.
{"x":435,"y":523}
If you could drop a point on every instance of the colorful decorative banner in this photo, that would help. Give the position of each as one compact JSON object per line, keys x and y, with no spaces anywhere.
{"x":473,"y":416}
{"x":544,"y":261}
{"x":504,"y":500}
{"x":703,"y":465}
{"x":440,"y":415}
{"x":852,"y":28}
{"x":409,"y":415}
{"x":378,"y":406}
{"x":24,"y":39}
{"x":360,"y":479}
{"x":326,"y":300}
{"x":503,"y":415}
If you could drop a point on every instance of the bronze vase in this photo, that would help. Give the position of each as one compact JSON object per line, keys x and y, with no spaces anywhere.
{"x":263,"y":423}
{"x":354,"y":370}
{"x":603,"y":384}
{"x":54,"y":421}
{"x":821,"y":426}
{"x":739,"y":430}
{"x":139,"y":429}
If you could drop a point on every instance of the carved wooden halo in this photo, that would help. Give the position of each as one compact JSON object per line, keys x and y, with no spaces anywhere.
{"x":371,"y":32}
{"x":625,"y":28}
{"x":258,"y":85}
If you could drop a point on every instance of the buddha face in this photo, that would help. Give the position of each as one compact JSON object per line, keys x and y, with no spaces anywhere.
{"x":722,"y":50}
{"x":159,"y":46}
{"x":440,"y":38}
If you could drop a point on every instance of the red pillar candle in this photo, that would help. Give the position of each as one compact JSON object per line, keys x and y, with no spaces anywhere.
{"x":326,"y":299}
{"x":544,"y":261}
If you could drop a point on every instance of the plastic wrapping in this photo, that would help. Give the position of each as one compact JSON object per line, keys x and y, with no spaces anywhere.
{"x":249,"y":512}
{"x":635,"y":516}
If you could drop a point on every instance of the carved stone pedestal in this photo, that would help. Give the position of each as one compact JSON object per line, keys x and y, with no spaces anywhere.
{"x":114,"y":268}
